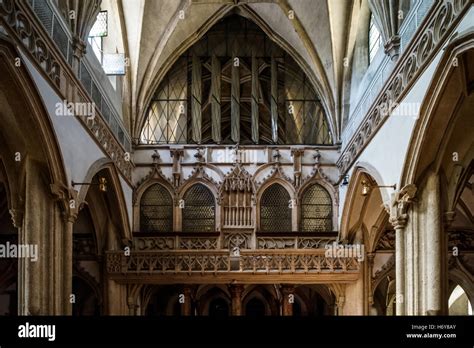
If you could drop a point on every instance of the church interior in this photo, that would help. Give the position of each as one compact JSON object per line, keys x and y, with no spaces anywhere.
{"x":236,"y":157}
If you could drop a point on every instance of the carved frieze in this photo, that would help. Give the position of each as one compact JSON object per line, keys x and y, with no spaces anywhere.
{"x":409,"y":66}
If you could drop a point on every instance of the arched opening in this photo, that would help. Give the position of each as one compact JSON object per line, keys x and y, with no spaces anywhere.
{"x":459,"y":303}
{"x":163,"y":301}
{"x":235,"y":85}
{"x":218,"y":308}
{"x":316,"y":210}
{"x":199,"y":209}
{"x":275,"y":211}
{"x":156,"y":210}
{"x":86,"y":302}
{"x":255,"y":308}
{"x":87,"y":278}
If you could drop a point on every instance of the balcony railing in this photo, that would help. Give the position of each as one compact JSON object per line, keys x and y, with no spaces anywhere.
{"x":229,"y":240}
{"x":195,"y":258}
{"x":222,"y":261}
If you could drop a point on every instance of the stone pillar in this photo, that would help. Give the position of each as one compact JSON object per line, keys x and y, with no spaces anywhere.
{"x":132,"y":306}
{"x":399,"y":225}
{"x":17,"y":219}
{"x":434,"y":242}
{"x":236,"y":291}
{"x":398,"y":218}
{"x":186,"y":308}
{"x":370,"y":295}
{"x":288,"y":292}
{"x":43,"y":232}
{"x":67,"y":263}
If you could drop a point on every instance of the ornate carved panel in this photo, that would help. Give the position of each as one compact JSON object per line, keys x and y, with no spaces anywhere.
{"x":413,"y":61}
{"x":237,"y":197}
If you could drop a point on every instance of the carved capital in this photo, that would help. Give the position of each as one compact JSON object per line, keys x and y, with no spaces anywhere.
{"x":236,"y":290}
{"x":79,"y":47}
{"x":67,"y":198}
{"x":392,"y":47}
{"x":287,"y":290}
{"x":400,"y":204}
{"x":449,"y":218}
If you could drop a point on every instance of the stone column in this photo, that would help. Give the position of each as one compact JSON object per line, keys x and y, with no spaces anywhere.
{"x":398,"y":218}
{"x":399,"y":225}
{"x":288,"y":292}
{"x":370,"y":297}
{"x":434,"y":242}
{"x":186,"y":308}
{"x":132,"y":306}
{"x":17,"y":219}
{"x":236,"y":291}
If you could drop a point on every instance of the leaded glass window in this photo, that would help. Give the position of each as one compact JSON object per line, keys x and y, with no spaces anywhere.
{"x":236,"y":85}
{"x":167,"y":120}
{"x":199,"y":210}
{"x":375,"y":40}
{"x":316,"y":210}
{"x":156,"y":210}
{"x":275,"y":211}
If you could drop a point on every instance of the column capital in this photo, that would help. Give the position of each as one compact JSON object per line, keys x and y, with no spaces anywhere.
{"x":236,"y":289}
{"x":392,"y":47}
{"x":401,"y":201}
{"x":78,"y":47}
{"x":449,"y":217}
{"x":67,"y":200}
{"x":287,"y":289}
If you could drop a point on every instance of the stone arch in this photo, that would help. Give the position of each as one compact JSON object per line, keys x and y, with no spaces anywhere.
{"x":291,"y":194}
{"x":213,"y":192}
{"x":354,"y":205}
{"x":262,"y":294}
{"x":115,"y":197}
{"x":333,"y":194}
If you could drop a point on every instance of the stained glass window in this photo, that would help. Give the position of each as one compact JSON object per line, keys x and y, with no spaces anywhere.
{"x":275,"y":211}
{"x":198,"y":210}
{"x":316,"y":210}
{"x":156,"y":210}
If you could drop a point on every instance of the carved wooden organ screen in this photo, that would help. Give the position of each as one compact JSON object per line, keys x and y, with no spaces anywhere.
{"x":316,"y":210}
{"x":235,"y":85}
{"x":199,"y":210}
{"x":156,"y":210}
{"x":275,"y":211}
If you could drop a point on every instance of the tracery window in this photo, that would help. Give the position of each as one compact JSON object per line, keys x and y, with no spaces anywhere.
{"x":275,"y":211}
{"x":235,"y":85}
{"x":199,"y":210}
{"x":316,"y":210}
{"x":375,"y":40}
{"x":156,"y":210}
